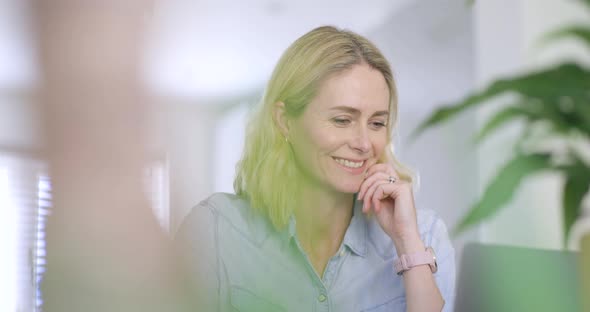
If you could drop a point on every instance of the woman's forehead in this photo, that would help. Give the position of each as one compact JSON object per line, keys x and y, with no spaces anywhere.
{"x":360,"y":88}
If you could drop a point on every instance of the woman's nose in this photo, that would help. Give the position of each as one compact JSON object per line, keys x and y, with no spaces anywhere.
{"x":361,"y":141}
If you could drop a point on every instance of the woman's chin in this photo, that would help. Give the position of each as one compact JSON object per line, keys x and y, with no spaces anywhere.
{"x":350,"y":188}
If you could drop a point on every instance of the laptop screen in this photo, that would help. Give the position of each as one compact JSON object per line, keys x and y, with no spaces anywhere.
{"x":501,"y":278}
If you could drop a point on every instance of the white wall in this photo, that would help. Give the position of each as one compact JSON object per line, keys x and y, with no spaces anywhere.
{"x":429,"y":45}
{"x":19,"y":126}
{"x":18,"y":74}
{"x":229,"y":144}
{"x":188,"y":134}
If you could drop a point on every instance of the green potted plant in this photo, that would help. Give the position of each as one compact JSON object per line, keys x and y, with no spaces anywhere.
{"x":552,"y":104}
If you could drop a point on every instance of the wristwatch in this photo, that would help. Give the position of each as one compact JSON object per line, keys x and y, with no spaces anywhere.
{"x":406,"y":262}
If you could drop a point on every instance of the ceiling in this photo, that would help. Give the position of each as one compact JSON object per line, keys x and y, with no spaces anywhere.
{"x":200,"y":49}
{"x":221,"y":49}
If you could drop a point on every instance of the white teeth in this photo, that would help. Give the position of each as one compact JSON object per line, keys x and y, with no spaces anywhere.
{"x":348,"y":163}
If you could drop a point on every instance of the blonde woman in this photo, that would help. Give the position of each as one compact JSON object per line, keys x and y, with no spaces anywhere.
{"x":323,"y":218}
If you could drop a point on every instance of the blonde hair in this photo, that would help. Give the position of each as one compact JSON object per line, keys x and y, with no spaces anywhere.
{"x":267,"y":174}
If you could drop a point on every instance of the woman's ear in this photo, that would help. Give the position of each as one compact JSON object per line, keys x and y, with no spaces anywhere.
{"x":281,"y":119}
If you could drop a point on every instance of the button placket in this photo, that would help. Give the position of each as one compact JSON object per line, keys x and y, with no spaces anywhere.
{"x":322,"y":299}
{"x":333,"y":267}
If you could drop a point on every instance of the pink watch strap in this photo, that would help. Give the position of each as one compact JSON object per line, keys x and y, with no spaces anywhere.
{"x":406,"y":262}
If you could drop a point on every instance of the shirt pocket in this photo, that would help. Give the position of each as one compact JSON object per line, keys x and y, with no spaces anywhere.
{"x":243,"y":300}
{"x":397,"y":304}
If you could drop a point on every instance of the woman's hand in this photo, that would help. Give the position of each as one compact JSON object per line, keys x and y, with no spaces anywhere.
{"x":393,"y":205}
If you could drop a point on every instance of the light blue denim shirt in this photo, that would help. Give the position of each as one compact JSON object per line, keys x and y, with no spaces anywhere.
{"x":239,"y":262}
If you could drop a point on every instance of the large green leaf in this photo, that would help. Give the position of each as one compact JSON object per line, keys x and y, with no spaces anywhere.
{"x":502,"y":188}
{"x":582,"y":111}
{"x":564,"y":115}
{"x":552,"y":85}
{"x":581,"y":32}
{"x":575,"y":188}
{"x":501,"y":118}
{"x":568,"y":80}
{"x":560,"y":120}
{"x":450,"y":111}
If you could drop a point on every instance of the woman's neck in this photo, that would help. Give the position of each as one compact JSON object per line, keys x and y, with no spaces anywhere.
{"x":322,"y":220}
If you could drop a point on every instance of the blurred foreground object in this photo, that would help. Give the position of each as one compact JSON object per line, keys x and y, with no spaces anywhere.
{"x":105,"y":249}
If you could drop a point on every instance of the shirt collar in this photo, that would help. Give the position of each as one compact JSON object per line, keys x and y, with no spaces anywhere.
{"x":355,"y":237}
{"x":288,"y":233}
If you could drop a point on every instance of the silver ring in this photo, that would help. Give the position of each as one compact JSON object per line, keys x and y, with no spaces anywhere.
{"x":391,"y":179}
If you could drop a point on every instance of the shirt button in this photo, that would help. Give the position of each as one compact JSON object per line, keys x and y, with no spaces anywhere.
{"x":342,"y":253}
{"x":322,"y":298}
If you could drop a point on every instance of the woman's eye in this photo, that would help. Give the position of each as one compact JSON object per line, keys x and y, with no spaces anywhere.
{"x":378,"y":124}
{"x":341,"y":121}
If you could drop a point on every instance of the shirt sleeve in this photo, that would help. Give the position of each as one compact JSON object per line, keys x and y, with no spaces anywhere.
{"x":196,"y":241}
{"x":445,"y":256}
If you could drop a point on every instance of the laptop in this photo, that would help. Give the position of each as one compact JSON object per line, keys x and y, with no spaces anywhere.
{"x":502,"y":278}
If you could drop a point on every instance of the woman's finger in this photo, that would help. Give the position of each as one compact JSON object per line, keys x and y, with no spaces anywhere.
{"x":367,"y":197}
{"x":370,"y":194}
{"x":369,"y":182}
{"x":384,"y":170}
{"x":376,"y":205}
{"x":370,"y":188}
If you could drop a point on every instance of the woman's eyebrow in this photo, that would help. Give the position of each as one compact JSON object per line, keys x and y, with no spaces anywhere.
{"x":355,"y":111}
{"x":347,"y":109}
{"x":381,"y":113}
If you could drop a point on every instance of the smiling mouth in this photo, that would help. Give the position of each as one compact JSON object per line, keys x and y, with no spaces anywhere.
{"x":349,"y":163}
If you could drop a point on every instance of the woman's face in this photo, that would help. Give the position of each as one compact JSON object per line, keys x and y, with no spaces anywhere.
{"x":343,"y":131}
